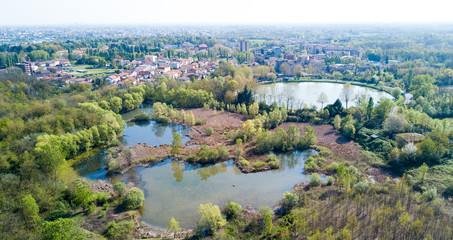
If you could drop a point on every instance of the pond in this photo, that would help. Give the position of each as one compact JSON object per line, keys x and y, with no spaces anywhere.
{"x":307,"y":93}
{"x":174,"y":189}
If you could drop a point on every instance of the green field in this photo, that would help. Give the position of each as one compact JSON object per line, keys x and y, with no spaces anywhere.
{"x":90,"y":70}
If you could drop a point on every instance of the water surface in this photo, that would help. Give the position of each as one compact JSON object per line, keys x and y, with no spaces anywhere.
{"x":308,"y":93}
{"x":174,"y":189}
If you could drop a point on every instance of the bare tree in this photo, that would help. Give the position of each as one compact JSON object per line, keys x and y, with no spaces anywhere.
{"x":323,"y":99}
{"x":347,"y":93}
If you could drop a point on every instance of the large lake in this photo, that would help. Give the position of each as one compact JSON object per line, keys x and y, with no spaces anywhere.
{"x":174,"y":189}
{"x":308,"y":93}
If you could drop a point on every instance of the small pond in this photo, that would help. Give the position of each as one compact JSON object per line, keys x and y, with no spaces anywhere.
{"x":174,"y":189}
{"x":308,"y":92}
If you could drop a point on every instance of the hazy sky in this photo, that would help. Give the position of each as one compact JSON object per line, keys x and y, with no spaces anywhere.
{"x":38,"y":12}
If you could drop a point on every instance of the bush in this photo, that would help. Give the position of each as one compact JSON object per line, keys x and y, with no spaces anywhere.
{"x":430,"y":194}
{"x":259,"y":164}
{"x":244,"y":162}
{"x":448,"y":193}
{"x":232,"y":210}
{"x":361,"y":187}
{"x":274,"y":164}
{"x":121,"y":230}
{"x":289,"y":201}
{"x":62,"y":228}
{"x":119,"y":188}
{"x":208,"y":155}
{"x":223,"y":153}
{"x":133,"y":199}
{"x":349,"y":131}
{"x":310,"y":166}
{"x":315,"y":180}
{"x":208,"y":131}
{"x":330,"y":180}
{"x":141,"y":117}
{"x":200,"y":122}
{"x":323,"y":151}
{"x":211,"y":218}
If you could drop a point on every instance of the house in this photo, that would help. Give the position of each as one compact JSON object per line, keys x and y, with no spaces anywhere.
{"x":174,"y":74}
{"x":404,"y":138}
{"x":113,"y":79}
{"x":203,"y":47}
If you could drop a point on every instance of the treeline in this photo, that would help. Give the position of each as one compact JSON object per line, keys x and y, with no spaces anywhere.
{"x":361,"y":211}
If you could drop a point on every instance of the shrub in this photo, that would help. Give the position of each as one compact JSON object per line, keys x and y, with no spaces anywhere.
{"x":259,"y":164}
{"x":289,"y":201}
{"x":62,"y":228}
{"x":244,"y":162}
{"x":208,"y":131}
{"x":331,"y":167}
{"x":271,"y":157}
{"x":141,"y":117}
{"x":349,"y":131}
{"x":208,"y":155}
{"x":119,"y":188}
{"x":121,"y":230}
{"x":315,"y":180}
{"x":337,"y":122}
{"x":200,"y":122}
{"x":448,"y":193}
{"x":360,"y":187}
{"x":210,"y":218}
{"x":310,"y":166}
{"x":323,"y":151}
{"x":232,"y":210}
{"x":430,"y":194}
{"x":223,"y":152}
{"x":133,"y":199}
{"x":274,"y":164}
{"x":330,"y":180}
{"x":174,"y":225}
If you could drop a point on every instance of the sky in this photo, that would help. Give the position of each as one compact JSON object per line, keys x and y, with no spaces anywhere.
{"x":101,"y":12}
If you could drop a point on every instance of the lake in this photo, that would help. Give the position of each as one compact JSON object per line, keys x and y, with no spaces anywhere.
{"x":308,"y":92}
{"x":174,"y":189}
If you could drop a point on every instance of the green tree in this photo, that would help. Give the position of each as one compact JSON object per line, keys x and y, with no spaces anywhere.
{"x":396,"y":92}
{"x":51,"y":155}
{"x":116,"y":104}
{"x":119,"y":188}
{"x":31,"y":210}
{"x":174,"y":225}
{"x":232,"y":210}
{"x":211,"y":218}
{"x":267,"y":214}
{"x":176,"y":144}
{"x":61,"y":229}
{"x":133,"y":199}
{"x":315,"y":179}
{"x":121,"y":230}
{"x":289,"y":201}
{"x":349,"y":131}
{"x":423,"y":170}
{"x":337,"y":122}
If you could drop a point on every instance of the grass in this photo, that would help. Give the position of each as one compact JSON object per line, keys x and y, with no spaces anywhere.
{"x":90,"y":70}
{"x":439,"y":176}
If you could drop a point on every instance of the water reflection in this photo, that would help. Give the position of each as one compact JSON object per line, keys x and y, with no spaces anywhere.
{"x":295,"y":95}
{"x":178,"y":170}
{"x":209,"y":171}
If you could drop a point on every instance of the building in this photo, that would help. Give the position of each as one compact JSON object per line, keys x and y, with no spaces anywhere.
{"x":245,"y":45}
{"x":25,"y":66}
